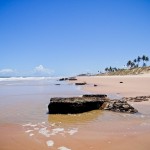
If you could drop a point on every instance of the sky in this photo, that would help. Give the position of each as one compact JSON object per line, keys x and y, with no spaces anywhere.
{"x":69,"y":37}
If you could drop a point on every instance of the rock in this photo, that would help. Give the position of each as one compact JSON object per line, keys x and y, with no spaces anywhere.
{"x":95,"y":84}
{"x":73,"y":105}
{"x":60,"y":105}
{"x":136,"y":99}
{"x":72,"y":79}
{"x":95,"y":95}
{"x":57,"y":84}
{"x":63,"y":79}
{"x":121,"y":82}
{"x":118,"y":106}
{"x":80,"y":83}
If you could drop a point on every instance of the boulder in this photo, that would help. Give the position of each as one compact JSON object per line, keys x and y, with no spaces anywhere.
{"x":73,"y":105}
{"x":59,"y":105}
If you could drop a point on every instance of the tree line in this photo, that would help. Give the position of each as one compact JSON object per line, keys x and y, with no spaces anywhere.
{"x":136,"y":61}
{"x":131,"y":64}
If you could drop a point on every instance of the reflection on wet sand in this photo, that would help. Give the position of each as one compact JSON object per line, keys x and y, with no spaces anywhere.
{"x":81,"y":118}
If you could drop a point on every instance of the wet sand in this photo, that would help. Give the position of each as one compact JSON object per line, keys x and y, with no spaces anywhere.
{"x":95,"y":130}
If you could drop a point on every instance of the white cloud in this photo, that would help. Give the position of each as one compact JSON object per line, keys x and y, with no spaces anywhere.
{"x":6,"y":71}
{"x":42,"y":70}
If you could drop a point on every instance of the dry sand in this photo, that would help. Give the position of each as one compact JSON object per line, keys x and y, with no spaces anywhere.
{"x":133,"y":85}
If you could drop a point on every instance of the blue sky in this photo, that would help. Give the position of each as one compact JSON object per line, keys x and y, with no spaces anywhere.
{"x":67,"y":37}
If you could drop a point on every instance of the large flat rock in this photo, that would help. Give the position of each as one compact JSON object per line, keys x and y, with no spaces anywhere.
{"x":73,"y":105}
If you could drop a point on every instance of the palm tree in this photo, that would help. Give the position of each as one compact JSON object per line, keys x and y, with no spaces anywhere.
{"x":129,"y":63}
{"x":106,"y":69}
{"x":135,"y":60}
{"x":146,"y":59}
{"x":132,"y":65}
{"x":110,"y":69}
{"x":138,"y":59}
{"x":143,"y":58}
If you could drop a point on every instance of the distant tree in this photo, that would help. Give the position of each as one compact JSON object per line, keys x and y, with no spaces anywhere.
{"x":129,"y":63}
{"x":143,"y":58}
{"x":110,"y":69}
{"x":134,"y":60}
{"x":106,"y":69}
{"x":138,"y":60}
{"x":144,"y":64}
{"x":146,"y":59}
{"x":132,"y":65}
{"x":115,"y":69}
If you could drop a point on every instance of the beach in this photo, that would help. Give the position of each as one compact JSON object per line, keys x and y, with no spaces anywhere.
{"x":25,"y":124}
{"x":133,"y":85}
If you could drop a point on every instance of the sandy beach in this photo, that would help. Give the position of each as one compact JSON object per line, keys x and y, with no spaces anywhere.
{"x":94,"y":130}
{"x":133,"y":85}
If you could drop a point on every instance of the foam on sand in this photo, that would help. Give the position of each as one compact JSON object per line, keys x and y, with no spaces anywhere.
{"x":63,"y":148}
{"x":44,"y":132}
{"x":28,"y":131}
{"x":73,"y":131}
{"x":31,"y":134}
{"x":50,"y":143}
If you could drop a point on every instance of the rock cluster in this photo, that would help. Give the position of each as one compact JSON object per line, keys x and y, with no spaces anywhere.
{"x":61,"y":105}
{"x":118,"y":106}
{"x":136,"y":99}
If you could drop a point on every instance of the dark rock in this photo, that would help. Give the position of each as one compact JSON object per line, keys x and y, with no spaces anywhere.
{"x":63,"y":79}
{"x":118,"y":106}
{"x":59,"y":105}
{"x":57,"y":84}
{"x":72,"y":79}
{"x":121,"y":82}
{"x":80,"y":83}
{"x":95,"y":84}
{"x":136,"y":99}
{"x":95,"y":95}
{"x":73,"y":105}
